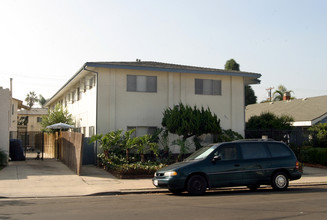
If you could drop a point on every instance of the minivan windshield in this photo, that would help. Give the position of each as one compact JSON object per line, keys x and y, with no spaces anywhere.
{"x":201,"y":153}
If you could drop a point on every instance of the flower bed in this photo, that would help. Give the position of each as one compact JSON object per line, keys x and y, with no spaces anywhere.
{"x":123,"y":169}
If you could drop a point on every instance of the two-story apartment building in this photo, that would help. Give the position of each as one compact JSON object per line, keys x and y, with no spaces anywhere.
{"x":105,"y":96}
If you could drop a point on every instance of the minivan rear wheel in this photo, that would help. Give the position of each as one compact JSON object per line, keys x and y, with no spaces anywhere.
{"x":196,"y":185}
{"x":279,"y":181}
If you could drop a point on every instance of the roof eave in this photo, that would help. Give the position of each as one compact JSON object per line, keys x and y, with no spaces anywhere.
{"x":163,"y":69}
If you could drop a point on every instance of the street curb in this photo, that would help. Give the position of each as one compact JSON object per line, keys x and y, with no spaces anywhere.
{"x":143,"y":191}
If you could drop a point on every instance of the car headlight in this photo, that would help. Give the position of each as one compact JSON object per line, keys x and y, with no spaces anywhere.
{"x":171,"y":173}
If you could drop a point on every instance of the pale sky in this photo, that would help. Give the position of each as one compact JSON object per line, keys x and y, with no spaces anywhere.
{"x":43,"y":43}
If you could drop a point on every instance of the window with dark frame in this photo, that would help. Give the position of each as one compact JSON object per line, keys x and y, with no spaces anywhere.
{"x":142,"y":130}
{"x":137,"y":83}
{"x":207,"y":87}
{"x":91,"y":131}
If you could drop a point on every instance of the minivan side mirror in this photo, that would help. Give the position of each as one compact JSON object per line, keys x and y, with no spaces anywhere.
{"x":215,"y":158}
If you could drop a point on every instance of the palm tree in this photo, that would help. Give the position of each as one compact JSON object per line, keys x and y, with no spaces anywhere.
{"x":31,"y":98}
{"x":41,"y":100}
{"x":280,"y":92}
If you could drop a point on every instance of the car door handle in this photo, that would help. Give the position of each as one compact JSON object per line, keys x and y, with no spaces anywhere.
{"x":236,"y":165}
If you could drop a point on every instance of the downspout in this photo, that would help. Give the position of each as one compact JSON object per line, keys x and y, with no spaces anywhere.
{"x":96,"y":106}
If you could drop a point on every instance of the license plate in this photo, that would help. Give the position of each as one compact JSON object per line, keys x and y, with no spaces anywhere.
{"x":155,"y":182}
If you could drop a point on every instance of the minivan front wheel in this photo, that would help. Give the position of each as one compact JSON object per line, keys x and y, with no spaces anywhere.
{"x":196,"y":185}
{"x":279,"y":181}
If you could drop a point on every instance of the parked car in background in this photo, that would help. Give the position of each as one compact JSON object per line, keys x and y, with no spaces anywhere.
{"x":248,"y":163}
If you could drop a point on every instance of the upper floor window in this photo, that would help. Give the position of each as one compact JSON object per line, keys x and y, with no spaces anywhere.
{"x":78,"y":94}
{"x":141,"y":83}
{"x":73,"y":96}
{"x":207,"y":87}
{"x":92,"y":82}
{"x":39,"y":119}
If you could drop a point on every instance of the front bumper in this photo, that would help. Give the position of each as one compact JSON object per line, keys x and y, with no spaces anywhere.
{"x":169,"y":182}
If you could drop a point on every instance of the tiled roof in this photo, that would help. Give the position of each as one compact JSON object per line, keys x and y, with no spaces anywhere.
{"x":34,"y":111}
{"x":308,"y":109}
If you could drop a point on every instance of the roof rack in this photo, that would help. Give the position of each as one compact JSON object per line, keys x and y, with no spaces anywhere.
{"x":269,"y":139}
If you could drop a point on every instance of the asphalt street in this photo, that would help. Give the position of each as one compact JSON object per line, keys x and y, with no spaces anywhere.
{"x":299,"y":202}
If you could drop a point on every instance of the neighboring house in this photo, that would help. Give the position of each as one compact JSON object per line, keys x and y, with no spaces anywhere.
{"x":105,"y":96}
{"x":5,"y":118}
{"x":305,"y":112}
{"x":15,"y":106}
{"x":29,"y":127}
{"x":30,"y":120}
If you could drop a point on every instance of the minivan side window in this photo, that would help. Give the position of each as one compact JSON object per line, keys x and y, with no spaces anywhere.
{"x":278,"y":150}
{"x":227,"y":152}
{"x":253,"y":151}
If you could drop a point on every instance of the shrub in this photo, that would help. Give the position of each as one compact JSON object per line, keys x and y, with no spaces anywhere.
{"x":268,"y":120}
{"x":313,"y":155}
{"x":319,"y":135}
{"x":120,"y":167}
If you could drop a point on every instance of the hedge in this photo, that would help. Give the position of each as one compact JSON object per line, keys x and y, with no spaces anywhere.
{"x":313,"y":155}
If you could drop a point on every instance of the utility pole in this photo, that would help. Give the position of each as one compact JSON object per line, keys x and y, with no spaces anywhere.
{"x":269,"y":93}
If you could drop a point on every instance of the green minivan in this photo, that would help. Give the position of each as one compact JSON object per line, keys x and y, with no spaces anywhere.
{"x":248,"y":163}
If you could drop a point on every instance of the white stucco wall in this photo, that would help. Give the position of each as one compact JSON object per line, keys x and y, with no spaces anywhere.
{"x":5,"y":107}
{"x":118,"y":108}
{"x":82,"y":110}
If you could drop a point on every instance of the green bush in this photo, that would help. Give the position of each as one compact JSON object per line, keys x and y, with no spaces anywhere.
{"x":313,"y":155}
{"x":318,"y":133}
{"x":119,"y":166}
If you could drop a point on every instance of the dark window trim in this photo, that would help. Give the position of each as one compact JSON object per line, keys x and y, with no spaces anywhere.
{"x":216,"y":87}
{"x":131,"y":83}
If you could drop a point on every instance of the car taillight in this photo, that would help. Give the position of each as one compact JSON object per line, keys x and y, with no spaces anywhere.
{"x":297,"y":165}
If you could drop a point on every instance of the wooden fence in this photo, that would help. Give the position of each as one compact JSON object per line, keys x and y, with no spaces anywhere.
{"x":50,"y":145}
{"x":71,"y":149}
{"x":66,"y":146}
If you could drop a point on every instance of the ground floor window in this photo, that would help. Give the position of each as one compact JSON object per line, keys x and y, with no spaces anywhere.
{"x":142,"y":130}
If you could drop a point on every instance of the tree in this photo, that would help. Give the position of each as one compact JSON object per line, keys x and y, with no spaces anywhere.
{"x":250,"y":97}
{"x":57,"y":115}
{"x":31,"y":98}
{"x":279,"y":93}
{"x":41,"y":100}
{"x":232,"y":65}
{"x":142,"y":143}
{"x":128,"y":142}
{"x":187,"y":122}
{"x":318,"y":133}
{"x":268,"y":120}
{"x":108,"y":141}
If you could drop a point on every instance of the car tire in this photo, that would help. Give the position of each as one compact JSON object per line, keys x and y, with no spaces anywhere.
{"x":279,"y":181}
{"x":253,"y":187}
{"x":176,"y":191}
{"x":196,"y":185}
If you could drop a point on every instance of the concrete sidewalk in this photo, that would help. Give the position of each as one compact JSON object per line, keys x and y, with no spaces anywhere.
{"x":50,"y":178}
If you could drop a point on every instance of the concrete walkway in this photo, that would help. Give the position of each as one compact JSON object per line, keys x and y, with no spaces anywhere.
{"x":50,"y":178}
